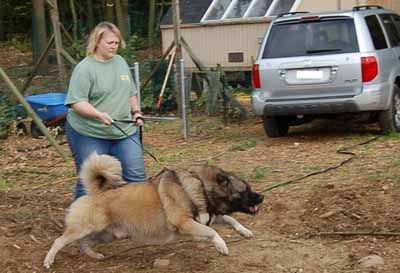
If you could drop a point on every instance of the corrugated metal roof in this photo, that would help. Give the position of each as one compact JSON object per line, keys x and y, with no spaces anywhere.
{"x":191,"y":11}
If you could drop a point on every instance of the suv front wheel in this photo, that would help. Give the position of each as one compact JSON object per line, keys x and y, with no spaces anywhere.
{"x":276,"y":126}
{"x":389,"y":120}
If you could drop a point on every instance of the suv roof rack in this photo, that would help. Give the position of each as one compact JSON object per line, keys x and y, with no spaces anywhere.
{"x":290,"y":13}
{"x":363,"y":7}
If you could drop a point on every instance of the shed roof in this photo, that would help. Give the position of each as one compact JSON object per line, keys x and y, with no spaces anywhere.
{"x":191,"y":11}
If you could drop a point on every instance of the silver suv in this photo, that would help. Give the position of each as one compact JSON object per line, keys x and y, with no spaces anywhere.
{"x":313,"y":65}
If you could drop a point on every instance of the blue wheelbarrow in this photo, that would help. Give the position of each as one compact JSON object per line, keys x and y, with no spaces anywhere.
{"x":50,"y":108}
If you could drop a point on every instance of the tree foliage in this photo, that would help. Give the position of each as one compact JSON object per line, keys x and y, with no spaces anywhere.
{"x":15,"y":16}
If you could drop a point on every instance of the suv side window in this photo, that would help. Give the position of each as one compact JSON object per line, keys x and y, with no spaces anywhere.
{"x":396,"y":22}
{"x":378,"y":38}
{"x":391,"y":30}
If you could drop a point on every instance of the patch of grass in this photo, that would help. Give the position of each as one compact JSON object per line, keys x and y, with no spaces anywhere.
{"x":244,"y":145}
{"x":396,"y":161}
{"x":244,"y":91}
{"x":391,"y":176}
{"x":21,"y":217}
{"x":20,"y":42}
{"x":169,"y":158}
{"x":148,"y":127}
{"x":5,"y":178}
{"x":203,"y":125}
{"x":71,"y":187}
{"x":258,"y":174}
{"x":212,"y":162}
{"x":372,"y":178}
{"x":391,"y":136}
{"x":4,"y":186}
{"x":386,"y":175}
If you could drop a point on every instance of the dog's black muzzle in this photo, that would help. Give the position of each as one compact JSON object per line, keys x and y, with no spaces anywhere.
{"x":247,"y":203}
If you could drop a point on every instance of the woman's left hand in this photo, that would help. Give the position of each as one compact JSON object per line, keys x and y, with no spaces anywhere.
{"x":138,"y":119}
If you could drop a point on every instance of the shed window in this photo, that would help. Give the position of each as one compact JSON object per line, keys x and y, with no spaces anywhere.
{"x":236,"y":9}
{"x":281,"y":6}
{"x":259,"y":8}
{"x":217,"y":9}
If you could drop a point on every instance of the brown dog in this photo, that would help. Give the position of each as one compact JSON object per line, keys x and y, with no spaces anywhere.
{"x":168,"y":205}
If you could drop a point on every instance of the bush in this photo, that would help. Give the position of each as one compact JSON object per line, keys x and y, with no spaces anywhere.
{"x":8,"y":113}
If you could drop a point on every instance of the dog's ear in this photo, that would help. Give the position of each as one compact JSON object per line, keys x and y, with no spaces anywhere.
{"x":222,"y":179}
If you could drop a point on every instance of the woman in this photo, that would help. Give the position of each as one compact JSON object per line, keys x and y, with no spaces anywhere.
{"x":102,"y":91}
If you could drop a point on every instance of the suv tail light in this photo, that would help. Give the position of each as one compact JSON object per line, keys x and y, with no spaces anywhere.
{"x":255,"y":75}
{"x":369,"y":68}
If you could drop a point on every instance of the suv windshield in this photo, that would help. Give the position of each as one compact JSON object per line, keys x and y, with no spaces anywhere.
{"x":325,"y":36}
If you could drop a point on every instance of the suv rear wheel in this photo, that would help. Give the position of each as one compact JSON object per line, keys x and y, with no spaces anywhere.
{"x":389,"y":120}
{"x":276,"y":126}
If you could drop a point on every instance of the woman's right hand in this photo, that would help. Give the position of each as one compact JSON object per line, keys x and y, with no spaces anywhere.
{"x":86,"y":109}
{"x":104,"y":118}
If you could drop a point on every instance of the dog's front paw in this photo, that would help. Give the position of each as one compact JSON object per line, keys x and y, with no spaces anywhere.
{"x":245,"y":232}
{"x":204,"y":218}
{"x":220,"y":245}
{"x":97,"y":256}
{"x":48,"y":261}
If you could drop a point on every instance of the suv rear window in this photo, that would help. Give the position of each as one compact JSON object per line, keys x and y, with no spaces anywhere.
{"x":325,"y":36}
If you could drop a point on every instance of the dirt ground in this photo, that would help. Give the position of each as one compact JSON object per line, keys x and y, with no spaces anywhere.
{"x":294,"y":231}
{"x":332,"y":191}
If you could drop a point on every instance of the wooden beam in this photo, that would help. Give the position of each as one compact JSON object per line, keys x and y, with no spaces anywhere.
{"x":66,"y":34}
{"x":68,"y":57}
{"x":158,"y":65}
{"x":50,"y":3}
{"x":39,"y":61}
{"x":164,"y":85}
{"x":194,"y":58}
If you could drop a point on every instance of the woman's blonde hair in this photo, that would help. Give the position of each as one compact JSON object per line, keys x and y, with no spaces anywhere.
{"x":97,"y":33}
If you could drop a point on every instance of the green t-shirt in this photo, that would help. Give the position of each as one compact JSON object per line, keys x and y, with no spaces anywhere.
{"x":106,"y":86}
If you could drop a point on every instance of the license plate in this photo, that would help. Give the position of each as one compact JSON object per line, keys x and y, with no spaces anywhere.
{"x":309,"y":74}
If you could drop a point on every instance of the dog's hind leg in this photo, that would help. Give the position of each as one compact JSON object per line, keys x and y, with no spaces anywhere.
{"x":86,"y":247}
{"x":70,"y":235}
{"x":191,"y":227}
{"x":103,"y":237}
{"x":87,"y":242}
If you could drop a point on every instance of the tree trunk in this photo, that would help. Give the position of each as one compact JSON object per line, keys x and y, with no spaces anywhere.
{"x":121,"y":10}
{"x":55,"y":19}
{"x":2,"y":17}
{"x":109,"y":11}
{"x":39,"y":36}
{"x":90,"y":10}
{"x":74,"y":20}
{"x":152,"y":16}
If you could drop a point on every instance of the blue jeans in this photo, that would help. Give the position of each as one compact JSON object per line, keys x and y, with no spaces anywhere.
{"x":127,"y":150}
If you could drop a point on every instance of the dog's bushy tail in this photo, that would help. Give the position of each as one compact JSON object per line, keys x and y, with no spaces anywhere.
{"x":100,"y":173}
